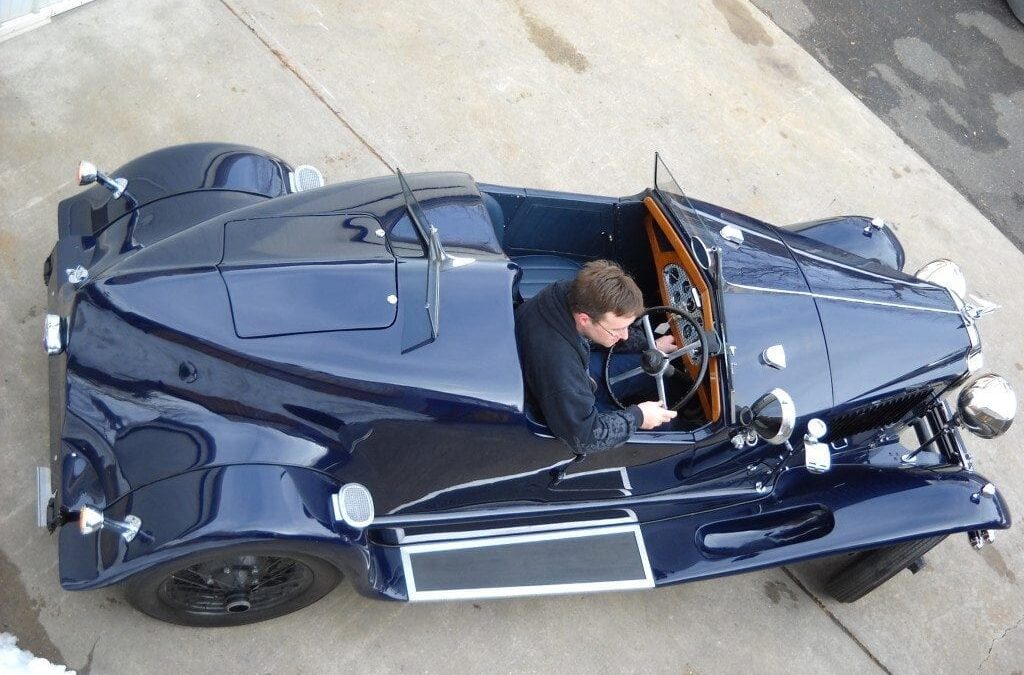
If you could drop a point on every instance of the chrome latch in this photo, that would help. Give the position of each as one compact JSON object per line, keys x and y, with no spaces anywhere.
{"x":816,"y":454}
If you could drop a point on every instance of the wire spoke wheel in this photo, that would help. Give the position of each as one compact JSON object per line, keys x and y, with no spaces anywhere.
{"x":236,"y":585}
{"x":233,"y":586}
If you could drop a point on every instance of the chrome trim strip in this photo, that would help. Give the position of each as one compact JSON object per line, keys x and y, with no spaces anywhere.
{"x":43,"y":494}
{"x":840,"y":298}
{"x":522,"y":529}
{"x":545,"y":509}
{"x":627,"y":487}
{"x":517,"y":591}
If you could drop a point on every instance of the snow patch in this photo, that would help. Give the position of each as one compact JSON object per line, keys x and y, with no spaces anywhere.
{"x":14,"y":661}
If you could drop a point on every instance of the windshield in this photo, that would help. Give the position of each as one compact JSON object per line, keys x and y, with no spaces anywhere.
{"x":674,"y":197}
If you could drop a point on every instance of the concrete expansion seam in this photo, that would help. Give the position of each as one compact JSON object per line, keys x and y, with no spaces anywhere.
{"x":997,"y":639}
{"x":836,"y":621}
{"x":315,"y":87}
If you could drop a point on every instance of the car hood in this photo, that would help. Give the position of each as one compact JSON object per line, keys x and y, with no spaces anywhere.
{"x":852,"y":330}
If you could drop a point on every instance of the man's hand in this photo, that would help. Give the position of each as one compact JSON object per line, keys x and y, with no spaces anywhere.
{"x":655,"y":414}
{"x":666,"y":343}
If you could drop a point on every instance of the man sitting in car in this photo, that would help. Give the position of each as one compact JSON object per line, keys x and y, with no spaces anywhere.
{"x":556,"y":329}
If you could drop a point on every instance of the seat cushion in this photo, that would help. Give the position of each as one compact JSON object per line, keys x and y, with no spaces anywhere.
{"x":539,"y":271}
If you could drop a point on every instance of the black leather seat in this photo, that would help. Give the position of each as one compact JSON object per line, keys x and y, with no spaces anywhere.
{"x":536,"y":270}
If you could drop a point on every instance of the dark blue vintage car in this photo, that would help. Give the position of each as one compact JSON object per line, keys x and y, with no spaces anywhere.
{"x":259,"y":384}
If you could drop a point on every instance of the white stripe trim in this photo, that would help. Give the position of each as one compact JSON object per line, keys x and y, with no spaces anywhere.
{"x":517,"y":591}
{"x":841,"y":298}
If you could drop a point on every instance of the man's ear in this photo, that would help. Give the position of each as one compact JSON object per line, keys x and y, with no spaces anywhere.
{"x":582,"y":319}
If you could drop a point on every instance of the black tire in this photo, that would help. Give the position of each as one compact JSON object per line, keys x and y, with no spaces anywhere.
{"x":871,"y":569}
{"x":232,"y":594}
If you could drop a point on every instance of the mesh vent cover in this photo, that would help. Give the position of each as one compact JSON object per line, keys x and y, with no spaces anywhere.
{"x":308,"y":178}
{"x":355,"y":505}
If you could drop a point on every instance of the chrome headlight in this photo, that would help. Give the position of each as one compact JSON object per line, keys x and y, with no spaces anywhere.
{"x":987,"y":406}
{"x":945,"y":273}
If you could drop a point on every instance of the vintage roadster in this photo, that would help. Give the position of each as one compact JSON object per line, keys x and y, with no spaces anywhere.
{"x":259,"y":384}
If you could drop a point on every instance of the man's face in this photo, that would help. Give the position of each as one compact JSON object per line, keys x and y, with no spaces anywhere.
{"x":606,"y":330}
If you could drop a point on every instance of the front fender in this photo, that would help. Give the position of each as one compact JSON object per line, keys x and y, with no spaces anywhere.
{"x":857,"y":235}
{"x":207,"y":509}
{"x":850,"y":508}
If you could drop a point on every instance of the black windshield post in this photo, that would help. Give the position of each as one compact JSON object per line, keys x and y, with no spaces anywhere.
{"x":435,"y":253}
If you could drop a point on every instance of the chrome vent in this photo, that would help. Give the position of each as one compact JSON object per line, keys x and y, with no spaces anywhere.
{"x":876,"y":415}
{"x":353,"y":504}
{"x":307,"y":177}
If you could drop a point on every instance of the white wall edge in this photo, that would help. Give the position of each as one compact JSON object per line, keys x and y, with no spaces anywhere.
{"x":23,"y":24}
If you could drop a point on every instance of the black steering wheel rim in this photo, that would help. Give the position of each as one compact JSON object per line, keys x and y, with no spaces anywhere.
{"x":705,"y":357}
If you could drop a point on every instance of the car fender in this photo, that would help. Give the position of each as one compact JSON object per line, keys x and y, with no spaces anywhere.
{"x":207,"y":509}
{"x":172,"y":171}
{"x":850,"y":508}
{"x":862,"y":236}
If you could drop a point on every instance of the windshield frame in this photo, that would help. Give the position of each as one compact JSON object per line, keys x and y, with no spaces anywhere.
{"x":435,"y":254}
{"x":689,"y":217}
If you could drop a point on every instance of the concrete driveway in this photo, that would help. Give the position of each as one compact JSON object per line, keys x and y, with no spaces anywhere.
{"x":570,"y":96}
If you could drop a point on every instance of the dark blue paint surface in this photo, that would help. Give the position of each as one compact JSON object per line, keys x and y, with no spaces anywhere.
{"x":222,"y":380}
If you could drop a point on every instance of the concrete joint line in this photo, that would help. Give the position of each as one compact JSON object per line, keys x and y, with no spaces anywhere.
{"x":316,"y":88}
{"x":837,"y":622}
{"x":997,"y":639}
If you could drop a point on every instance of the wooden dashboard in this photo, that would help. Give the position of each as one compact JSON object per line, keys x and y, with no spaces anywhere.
{"x":668,"y":250}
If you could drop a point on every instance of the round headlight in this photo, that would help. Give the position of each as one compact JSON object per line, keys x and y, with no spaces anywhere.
{"x":774,"y":416}
{"x":987,"y":406}
{"x":945,"y":273}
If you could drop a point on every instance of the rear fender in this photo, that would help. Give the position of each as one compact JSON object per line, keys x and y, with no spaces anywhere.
{"x":208,"y":509}
{"x":170,"y":171}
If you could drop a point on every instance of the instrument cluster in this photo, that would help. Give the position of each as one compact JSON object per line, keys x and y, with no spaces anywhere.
{"x":683,"y":295}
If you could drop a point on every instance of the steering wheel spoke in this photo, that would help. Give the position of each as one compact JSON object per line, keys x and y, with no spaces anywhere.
{"x":660,"y":381}
{"x":657,"y":364}
{"x":633,"y":372}
{"x":688,"y":348}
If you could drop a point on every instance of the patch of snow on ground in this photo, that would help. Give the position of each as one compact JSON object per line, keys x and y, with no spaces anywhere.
{"x":14,"y":661}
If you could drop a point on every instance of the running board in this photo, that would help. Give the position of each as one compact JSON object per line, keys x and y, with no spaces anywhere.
{"x":541,"y":563}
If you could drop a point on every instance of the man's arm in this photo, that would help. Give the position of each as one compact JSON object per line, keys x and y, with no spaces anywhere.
{"x":572,"y":416}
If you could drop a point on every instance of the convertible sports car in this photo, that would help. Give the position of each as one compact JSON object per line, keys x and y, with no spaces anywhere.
{"x":259,"y":384}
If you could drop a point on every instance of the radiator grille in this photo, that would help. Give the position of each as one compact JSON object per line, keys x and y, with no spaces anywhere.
{"x":875,"y":415}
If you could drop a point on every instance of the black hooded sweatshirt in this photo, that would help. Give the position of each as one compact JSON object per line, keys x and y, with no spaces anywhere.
{"x":556,"y":361}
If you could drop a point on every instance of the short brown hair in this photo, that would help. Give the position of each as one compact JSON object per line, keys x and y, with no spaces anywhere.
{"x":601,"y":287}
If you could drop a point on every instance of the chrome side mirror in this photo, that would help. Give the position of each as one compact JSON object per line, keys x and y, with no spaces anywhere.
{"x":774,"y":416}
{"x":987,"y":406}
{"x":945,"y":273}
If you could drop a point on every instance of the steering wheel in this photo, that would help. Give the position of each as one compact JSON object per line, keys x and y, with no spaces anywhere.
{"x":658,"y":364}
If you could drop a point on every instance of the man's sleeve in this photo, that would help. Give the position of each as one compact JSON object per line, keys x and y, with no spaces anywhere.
{"x":636,"y":342}
{"x":573,"y":417}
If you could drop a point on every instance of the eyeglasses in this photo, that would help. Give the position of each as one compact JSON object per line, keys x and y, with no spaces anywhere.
{"x":618,"y":333}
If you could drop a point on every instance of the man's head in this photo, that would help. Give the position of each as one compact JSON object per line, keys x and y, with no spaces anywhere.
{"x":604,"y":301}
